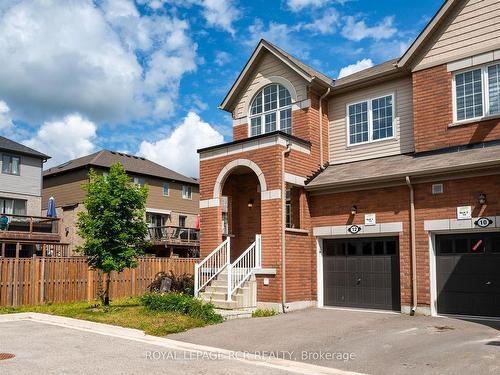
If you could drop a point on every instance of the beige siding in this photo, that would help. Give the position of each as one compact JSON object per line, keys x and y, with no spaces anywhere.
{"x":174,"y":201}
{"x":269,"y":66}
{"x":402,"y":143}
{"x":473,"y":27}
{"x":65,"y":188}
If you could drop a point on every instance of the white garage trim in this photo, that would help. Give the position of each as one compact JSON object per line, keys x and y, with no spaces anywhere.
{"x":319,"y":271}
{"x":340,"y":231}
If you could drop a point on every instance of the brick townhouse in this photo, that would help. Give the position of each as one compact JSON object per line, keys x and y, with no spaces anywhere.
{"x":379,"y":190}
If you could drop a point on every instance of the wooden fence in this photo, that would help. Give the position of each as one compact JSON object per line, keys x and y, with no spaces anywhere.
{"x":37,"y":280}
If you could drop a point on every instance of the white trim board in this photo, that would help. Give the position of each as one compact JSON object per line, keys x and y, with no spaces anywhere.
{"x":366,"y":230}
{"x":455,"y":224}
{"x":254,"y":144}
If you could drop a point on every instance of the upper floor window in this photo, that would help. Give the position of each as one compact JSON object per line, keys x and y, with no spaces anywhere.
{"x":10,"y":164}
{"x":166,"y":189}
{"x":139,"y":181}
{"x":182,"y":221}
{"x":187,"y":192}
{"x":370,"y":120}
{"x":477,"y":92}
{"x":271,"y":110}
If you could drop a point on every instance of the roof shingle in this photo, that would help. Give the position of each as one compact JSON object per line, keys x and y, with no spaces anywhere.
{"x":11,"y":146}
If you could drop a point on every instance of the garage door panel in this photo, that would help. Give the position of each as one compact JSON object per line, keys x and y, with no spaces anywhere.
{"x":468,"y":282}
{"x":368,"y":279}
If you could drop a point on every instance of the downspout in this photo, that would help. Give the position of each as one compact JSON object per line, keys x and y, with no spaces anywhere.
{"x":321,"y":161}
{"x":283,"y":224}
{"x":413,"y":247}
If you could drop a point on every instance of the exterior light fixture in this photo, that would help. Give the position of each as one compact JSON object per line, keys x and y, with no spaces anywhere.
{"x":250,"y":203}
{"x":354,"y":209}
{"x":482,"y":198}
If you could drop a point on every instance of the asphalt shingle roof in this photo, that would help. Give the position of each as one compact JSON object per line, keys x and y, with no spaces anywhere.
{"x":134,"y":164}
{"x":11,"y":146}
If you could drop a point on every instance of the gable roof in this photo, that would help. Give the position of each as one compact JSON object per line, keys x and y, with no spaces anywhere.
{"x":11,"y":146}
{"x":376,"y":71}
{"x":305,"y":71}
{"x":134,"y":164}
{"x":427,"y":33}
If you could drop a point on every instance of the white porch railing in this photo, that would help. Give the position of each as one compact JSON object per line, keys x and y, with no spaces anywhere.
{"x":211,"y":266}
{"x":242,"y":268}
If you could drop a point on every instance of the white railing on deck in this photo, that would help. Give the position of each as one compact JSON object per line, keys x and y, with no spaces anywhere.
{"x":211,"y":266}
{"x":242,"y":268}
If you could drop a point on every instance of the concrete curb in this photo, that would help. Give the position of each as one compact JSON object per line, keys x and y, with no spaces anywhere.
{"x":137,"y":335}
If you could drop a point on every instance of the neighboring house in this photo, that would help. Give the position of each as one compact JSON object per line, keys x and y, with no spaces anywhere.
{"x":23,"y":232}
{"x":379,"y":190}
{"x":171,"y":207}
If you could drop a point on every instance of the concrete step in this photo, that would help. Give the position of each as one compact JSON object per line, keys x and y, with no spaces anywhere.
{"x":217,"y":296}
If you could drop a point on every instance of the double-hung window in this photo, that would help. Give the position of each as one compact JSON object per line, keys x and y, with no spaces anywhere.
{"x":476,"y":92}
{"x":187,"y":192}
{"x":271,"y":110}
{"x":166,"y":189}
{"x":10,"y":164}
{"x":370,"y":120}
{"x":139,"y":181}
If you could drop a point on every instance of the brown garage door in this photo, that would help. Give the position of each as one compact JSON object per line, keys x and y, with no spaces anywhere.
{"x":468,"y":274}
{"x":362,"y":272}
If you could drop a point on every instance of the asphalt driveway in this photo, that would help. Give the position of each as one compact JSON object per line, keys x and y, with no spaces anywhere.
{"x":373,"y":343}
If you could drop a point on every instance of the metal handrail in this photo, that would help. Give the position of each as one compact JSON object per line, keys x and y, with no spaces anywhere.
{"x":211,"y":266}
{"x":244,"y":266}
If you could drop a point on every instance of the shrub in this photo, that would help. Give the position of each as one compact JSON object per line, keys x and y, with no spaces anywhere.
{"x":183,"y":283}
{"x":182,"y":303}
{"x":263,"y":313}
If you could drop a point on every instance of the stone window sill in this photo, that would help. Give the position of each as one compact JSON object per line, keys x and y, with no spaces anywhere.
{"x":473,"y":121}
{"x":296,"y":230}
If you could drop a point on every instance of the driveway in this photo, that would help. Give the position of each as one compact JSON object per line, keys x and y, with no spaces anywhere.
{"x":42,"y":348}
{"x":367,"y":342}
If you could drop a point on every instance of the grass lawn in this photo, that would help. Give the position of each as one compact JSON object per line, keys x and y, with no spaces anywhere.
{"x":124,"y":312}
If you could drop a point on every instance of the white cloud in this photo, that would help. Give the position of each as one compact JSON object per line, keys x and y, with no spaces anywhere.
{"x":5,"y":119}
{"x":64,"y":57}
{"x":353,"y":68}
{"x":297,"y":5}
{"x":358,"y":30}
{"x":177,"y":151}
{"x":326,"y":24}
{"x":222,"y":58}
{"x":66,"y":139}
{"x":221,"y":14}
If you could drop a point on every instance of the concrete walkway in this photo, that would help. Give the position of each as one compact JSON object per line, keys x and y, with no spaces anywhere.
{"x":381,"y":343}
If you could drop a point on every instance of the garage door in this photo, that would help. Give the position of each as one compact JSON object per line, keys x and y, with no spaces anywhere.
{"x":468,"y":274}
{"x":361,"y":272}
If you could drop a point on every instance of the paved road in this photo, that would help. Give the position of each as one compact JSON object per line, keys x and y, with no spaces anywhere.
{"x":381,"y":343}
{"x":48,"y":349}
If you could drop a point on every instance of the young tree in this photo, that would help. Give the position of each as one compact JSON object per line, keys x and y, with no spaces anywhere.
{"x":113,"y":225}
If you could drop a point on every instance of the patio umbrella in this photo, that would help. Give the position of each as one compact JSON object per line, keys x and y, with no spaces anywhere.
{"x":51,"y":208}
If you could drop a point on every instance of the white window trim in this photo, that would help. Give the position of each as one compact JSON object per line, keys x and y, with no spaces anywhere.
{"x":485,"y":93}
{"x":18,"y":166}
{"x":370,"y":120}
{"x":262,"y":114}
{"x":190,"y":195}
{"x":168,"y":190}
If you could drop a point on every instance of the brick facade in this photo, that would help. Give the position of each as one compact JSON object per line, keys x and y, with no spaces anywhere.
{"x":433,"y":114}
{"x":240,"y":132}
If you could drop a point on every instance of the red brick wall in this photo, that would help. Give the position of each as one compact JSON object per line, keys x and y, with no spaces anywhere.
{"x":433,"y":113}
{"x":240,"y":132}
{"x":389,"y":204}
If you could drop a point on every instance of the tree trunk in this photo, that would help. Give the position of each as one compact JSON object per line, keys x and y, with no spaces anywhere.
{"x":106,"y":289}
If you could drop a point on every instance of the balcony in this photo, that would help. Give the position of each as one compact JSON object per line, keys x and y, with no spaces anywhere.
{"x":174,"y":236}
{"x":29,"y":228}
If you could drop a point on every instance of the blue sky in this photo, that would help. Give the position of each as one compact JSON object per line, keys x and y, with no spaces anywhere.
{"x":146,"y":76}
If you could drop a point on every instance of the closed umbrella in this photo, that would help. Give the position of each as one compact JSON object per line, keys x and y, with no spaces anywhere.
{"x":51,"y":208}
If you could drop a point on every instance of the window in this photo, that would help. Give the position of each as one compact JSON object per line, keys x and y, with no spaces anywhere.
{"x":12,"y":206}
{"x":288,"y":206}
{"x":182,"y":221}
{"x":477,"y":93}
{"x":10,"y":164}
{"x":187,"y":192}
{"x":271,"y":110}
{"x":370,"y":120}
{"x":139,"y":181}
{"x":166,"y":189}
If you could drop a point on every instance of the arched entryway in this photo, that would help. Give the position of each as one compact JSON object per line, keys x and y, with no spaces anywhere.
{"x":240,"y":194}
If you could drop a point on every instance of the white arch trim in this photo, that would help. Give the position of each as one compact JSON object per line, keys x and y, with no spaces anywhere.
{"x":226,"y":171}
{"x":267,"y":81}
